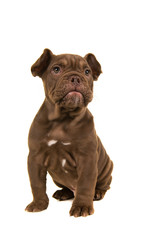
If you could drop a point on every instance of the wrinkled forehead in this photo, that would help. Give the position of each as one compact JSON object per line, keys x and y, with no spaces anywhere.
{"x":70,"y":60}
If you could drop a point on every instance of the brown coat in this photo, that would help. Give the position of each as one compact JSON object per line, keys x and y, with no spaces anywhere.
{"x":62,"y":137}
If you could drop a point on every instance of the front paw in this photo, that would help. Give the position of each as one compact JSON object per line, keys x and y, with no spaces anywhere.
{"x":81,"y":210}
{"x":37,"y":206}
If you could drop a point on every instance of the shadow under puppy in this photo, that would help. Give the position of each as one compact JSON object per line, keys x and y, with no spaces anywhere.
{"x":62,"y":137}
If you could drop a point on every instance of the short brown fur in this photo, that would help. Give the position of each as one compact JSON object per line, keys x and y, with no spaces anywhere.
{"x":62,"y":137}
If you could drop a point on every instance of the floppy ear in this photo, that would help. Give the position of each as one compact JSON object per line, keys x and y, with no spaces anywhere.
{"x":94,"y":65}
{"x":42,"y":63}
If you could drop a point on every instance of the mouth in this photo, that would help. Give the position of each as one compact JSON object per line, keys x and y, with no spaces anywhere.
{"x":71,"y":97}
{"x":74,"y":94}
{"x":74,"y":98}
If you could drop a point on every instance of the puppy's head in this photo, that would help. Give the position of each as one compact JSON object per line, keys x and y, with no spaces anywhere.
{"x":68,"y":79}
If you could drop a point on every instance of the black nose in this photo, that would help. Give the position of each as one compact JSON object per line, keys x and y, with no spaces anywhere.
{"x":75,"y":80}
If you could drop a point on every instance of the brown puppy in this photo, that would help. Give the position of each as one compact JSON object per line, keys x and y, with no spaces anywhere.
{"x":62,"y":137}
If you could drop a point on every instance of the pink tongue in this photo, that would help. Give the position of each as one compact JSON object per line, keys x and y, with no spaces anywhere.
{"x":77,"y":96}
{"x":74,"y":94}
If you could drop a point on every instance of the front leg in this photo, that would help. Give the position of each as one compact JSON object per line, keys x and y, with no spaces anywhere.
{"x":87,"y":177}
{"x":37,"y":174}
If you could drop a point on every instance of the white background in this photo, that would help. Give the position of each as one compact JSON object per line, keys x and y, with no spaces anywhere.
{"x":125,"y":37}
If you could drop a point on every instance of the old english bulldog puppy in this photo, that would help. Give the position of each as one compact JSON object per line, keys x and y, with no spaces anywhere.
{"x":62,"y":137}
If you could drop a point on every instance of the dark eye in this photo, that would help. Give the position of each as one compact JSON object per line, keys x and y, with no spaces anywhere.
{"x":56,"y":69}
{"x":87,"y":71}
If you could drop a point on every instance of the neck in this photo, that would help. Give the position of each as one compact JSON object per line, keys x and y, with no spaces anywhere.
{"x":57,"y":113}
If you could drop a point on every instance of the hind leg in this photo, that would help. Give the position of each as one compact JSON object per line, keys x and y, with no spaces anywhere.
{"x":63,"y":194}
{"x":99,"y":194}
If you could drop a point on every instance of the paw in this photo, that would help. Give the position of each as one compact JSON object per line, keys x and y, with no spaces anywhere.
{"x":37,"y":206}
{"x":99,"y":194}
{"x":63,"y":194}
{"x":83,"y":211}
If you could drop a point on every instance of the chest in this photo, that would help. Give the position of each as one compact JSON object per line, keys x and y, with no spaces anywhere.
{"x":60,"y":143}
{"x":58,"y":148}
